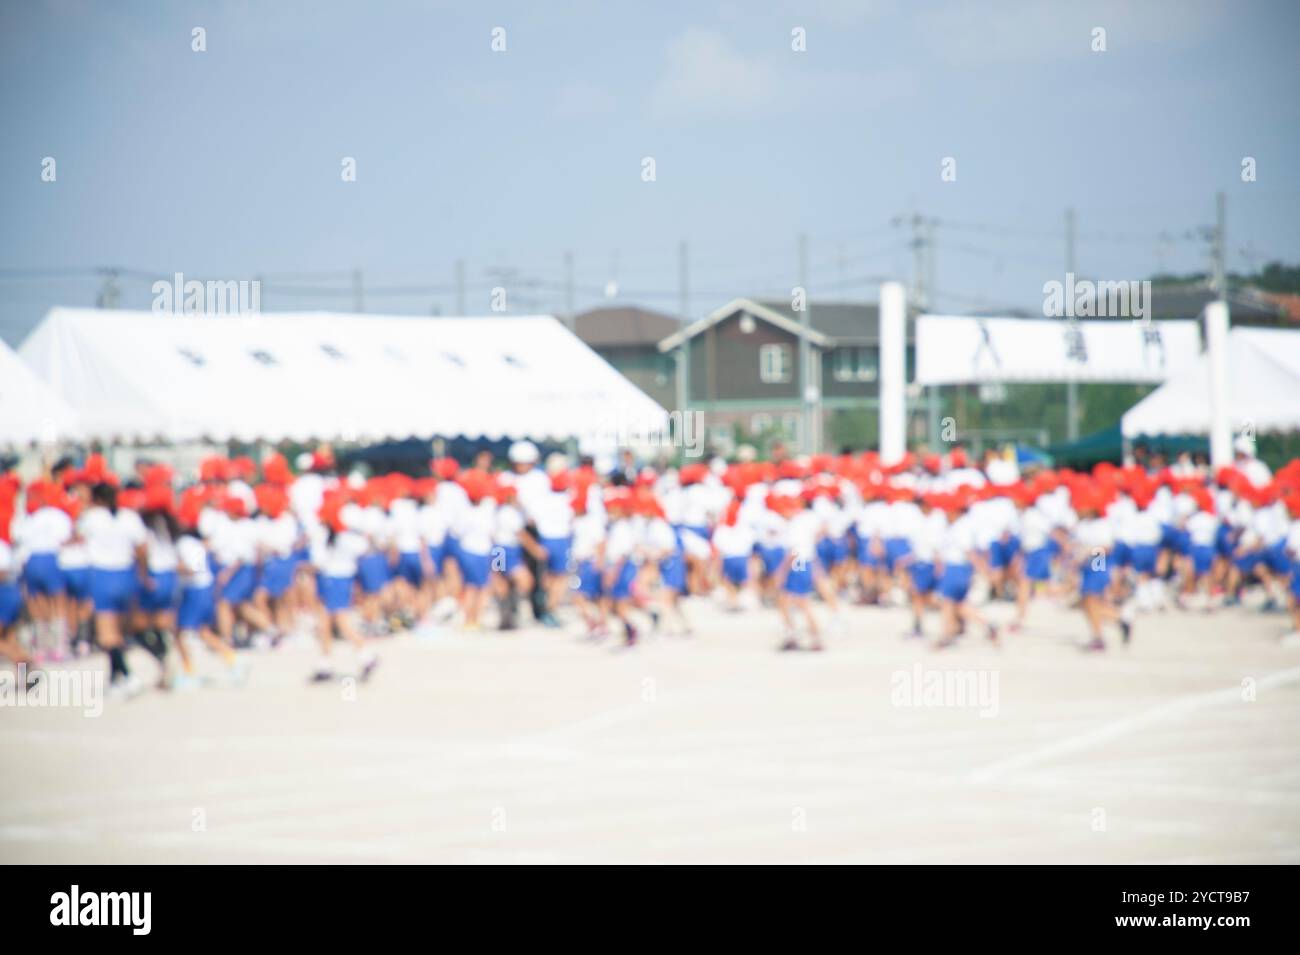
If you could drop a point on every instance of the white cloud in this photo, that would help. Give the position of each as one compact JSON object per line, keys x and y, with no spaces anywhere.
{"x":706,"y":75}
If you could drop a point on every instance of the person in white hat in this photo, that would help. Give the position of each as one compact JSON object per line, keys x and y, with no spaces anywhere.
{"x":532,"y":489}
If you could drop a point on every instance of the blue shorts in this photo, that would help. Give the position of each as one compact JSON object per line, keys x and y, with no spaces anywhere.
{"x":198,"y":608}
{"x":1202,"y":558}
{"x":372,"y":573}
{"x":1122,"y":555}
{"x":896,"y":548}
{"x":409,"y":568}
{"x":923,"y":576}
{"x":773,"y":558}
{"x":832,"y":551}
{"x":1144,"y":558}
{"x":1225,"y":540}
{"x":1276,"y":559}
{"x":161,"y":595}
{"x":557,"y":553}
{"x":1295,"y":580}
{"x":42,"y":577}
{"x":113,"y":591}
{"x":955,"y":582}
{"x":622,"y":588}
{"x":437,"y":555}
{"x":1038,"y":563}
{"x":239,"y":588}
{"x":672,"y":571}
{"x":1003,"y":552}
{"x":587,"y":579}
{"x":506,"y":557}
{"x":799,"y":579}
{"x":736,"y":569}
{"x":865,"y":557}
{"x":1093,"y":581}
{"x":77,"y":581}
{"x":277,"y":575}
{"x":1247,"y":562}
{"x":334,"y":592}
{"x":475,"y":568}
{"x":1168,"y":537}
{"x":11,"y":603}
{"x":451,"y":547}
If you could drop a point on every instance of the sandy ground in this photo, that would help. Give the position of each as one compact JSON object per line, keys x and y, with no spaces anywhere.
{"x":536,"y":747}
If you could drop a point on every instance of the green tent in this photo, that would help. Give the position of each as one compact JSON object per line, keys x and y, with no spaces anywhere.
{"x":1108,"y":445}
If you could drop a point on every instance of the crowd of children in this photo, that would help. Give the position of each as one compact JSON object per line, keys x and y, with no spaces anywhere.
{"x":241,"y":555}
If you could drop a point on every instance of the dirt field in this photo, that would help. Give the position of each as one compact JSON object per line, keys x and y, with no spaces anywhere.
{"x":536,"y":747}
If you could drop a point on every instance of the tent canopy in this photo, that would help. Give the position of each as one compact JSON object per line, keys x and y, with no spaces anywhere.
{"x":138,"y":376}
{"x":1263,"y":371}
{"x":30,"y":411}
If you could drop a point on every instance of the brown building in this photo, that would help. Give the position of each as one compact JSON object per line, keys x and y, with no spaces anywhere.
{"x":628,"y":338}
{"x":744,"y":379}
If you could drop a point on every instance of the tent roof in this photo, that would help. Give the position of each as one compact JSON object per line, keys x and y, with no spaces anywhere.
{"x":317,"y":375}
{"x":30,"y":411}
{"x":1263,"y":389}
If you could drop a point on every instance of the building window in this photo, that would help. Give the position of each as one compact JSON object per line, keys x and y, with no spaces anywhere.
{"x":760,"y":423}
{"x":746,"y":324}
{"x":790,"y":425}
{"x":855,"y":364}
{"x":774,"y":363}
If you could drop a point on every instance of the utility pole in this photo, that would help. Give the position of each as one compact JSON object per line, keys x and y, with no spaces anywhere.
{"x":460,"y":287}
{"x":1221,"y":247}
{"x":918,"y":264}
{"x":570,"y":317}
{"x":358,"y":293}
{"x":684,"y":313}
{"x":1071,"y":387}
{"x":109,"y":294}
{"x":808,"y":392}
{"x":932,"y":426}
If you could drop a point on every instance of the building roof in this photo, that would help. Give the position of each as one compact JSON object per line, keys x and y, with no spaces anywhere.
{"x":1247,"y":306}
{"x":623,"y":326}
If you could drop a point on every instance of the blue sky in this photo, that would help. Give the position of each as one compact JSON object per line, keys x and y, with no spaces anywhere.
{"x":226,"y":164}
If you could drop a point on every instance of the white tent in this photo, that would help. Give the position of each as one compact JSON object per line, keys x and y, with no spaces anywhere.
{"x":30,"y":411}
{"x":139,"y":376}
{"x":961,"y":349}
{"x":1263,"y":389}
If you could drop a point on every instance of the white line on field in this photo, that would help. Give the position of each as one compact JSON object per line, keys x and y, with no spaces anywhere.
{"x":1086,"y":740}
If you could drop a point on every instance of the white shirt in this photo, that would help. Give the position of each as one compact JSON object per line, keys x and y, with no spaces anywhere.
{"x":338,"y":558}
{"x":404,"y":525}
{"x":622,"y":542}
{"x":509,"y":525}
{"x":193,"y":559}
{"x":588,"y":533}
{"x":552,"y":514}
{"x":112,"y":539}
{"x":958,"y":541}
{"x":475,"y":529}
{"x":733,"y":540}
{"x":43,"y":531}
{"x":928,"y":536}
